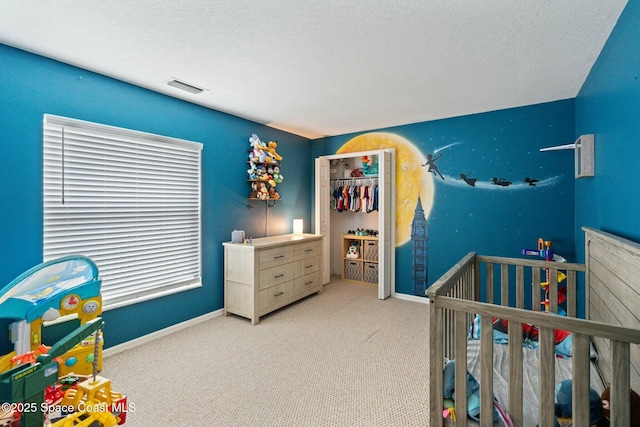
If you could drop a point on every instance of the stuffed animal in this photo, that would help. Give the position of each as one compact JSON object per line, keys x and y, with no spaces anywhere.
{"x":353,"y":251}
{"x":273,"y":194}
{"x":252,"y":171}
{"x":634,"y":408}
{"x":257,"y":154}
{"x":369,"y":165}
{"x":262,"y":174}
{"x":563,"y":406}
{"x":255,"y":140}
{"x":263,"y":192}
{"x":254,"y":191}
{"x":271,"y":148}
{"x":276,"y":175}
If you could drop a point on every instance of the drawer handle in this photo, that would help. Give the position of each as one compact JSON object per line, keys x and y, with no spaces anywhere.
{"x":277,"y":294}
{"x":308,"y":266}
{"x":278,"y":256}
{"x":309,"y":282}
{"x":277,"y":276}
{"x":308,"y":250}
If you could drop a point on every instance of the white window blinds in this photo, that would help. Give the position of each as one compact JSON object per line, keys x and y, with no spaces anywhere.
{"x":128,"y":200}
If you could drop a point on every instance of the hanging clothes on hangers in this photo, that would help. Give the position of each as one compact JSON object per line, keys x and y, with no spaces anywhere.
{"x":353,"y":195}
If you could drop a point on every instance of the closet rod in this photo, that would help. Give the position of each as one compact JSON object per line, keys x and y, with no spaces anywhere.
{"x":358,"y":179}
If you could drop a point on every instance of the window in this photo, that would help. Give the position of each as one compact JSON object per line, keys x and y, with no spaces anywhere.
{"x":128,"y":200}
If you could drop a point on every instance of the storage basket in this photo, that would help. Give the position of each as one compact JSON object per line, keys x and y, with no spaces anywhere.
{"x":371,"y":250}
{"x":353,"y":270}
{"x":371,"y":272}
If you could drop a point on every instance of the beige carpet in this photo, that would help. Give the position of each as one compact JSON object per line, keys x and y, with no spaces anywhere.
{"x":342,"y":358}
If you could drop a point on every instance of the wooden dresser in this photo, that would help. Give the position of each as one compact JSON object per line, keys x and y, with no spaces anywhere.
{"x":270,"y":272}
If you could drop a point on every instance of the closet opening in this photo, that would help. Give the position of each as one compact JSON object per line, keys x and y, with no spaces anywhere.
{"x":355,"y":211}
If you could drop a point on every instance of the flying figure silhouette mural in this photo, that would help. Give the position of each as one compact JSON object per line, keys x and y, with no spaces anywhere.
{"x":470,"y":181}
{"x":431,"y":163}
{"x":501,"y":181}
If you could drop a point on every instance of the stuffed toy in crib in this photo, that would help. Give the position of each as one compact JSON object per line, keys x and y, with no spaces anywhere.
{"x":564,"y":410}
{"x":634,"y":406}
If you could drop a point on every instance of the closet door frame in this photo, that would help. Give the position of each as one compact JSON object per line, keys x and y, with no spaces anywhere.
{"x":386,"y":215}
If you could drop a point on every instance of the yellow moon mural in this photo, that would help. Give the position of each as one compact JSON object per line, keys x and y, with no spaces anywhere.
{"x":412,"y":179}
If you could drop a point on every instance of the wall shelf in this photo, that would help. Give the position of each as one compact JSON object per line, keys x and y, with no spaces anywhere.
{"x":559,"y":147}
{"x":583,"y":154}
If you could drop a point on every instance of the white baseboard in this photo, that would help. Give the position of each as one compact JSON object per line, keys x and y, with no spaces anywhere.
{"x":414,"y":298}
{"x":159,"y":334}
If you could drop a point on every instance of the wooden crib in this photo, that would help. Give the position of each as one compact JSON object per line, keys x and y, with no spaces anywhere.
{"x":609,"y":282}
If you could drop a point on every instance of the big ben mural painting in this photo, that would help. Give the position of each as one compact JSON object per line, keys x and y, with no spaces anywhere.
{"x":419,"y":240}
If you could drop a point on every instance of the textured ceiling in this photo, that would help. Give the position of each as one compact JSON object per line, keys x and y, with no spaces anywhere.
{"x":328,"y":67}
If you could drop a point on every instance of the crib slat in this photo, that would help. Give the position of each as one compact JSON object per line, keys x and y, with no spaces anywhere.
{"x":448,"y":337}
{"x":476,"y":282}
{"x":520,"y":286}
{"x":504,"y":284}
{"x":486,"y":371}
{"x":461,"y":367}
{"x":581,"y":380}
{"x":572,"y":294}
{"x":515,"y":372}
{"x":436,"y":351}
{"x":470,"y":290}
{"x":535,"y":289}
{"x":620,"y":352}
{"x":546,"y":386}
{"x":489,"y":281}
{"x":553,"y":290}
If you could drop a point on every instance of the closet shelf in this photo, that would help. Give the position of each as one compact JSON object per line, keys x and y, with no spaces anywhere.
{"x":356,"y":178}
{"x":364,"y":267}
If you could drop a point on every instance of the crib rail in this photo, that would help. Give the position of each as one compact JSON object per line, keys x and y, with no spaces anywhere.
{"x":458,"y":296}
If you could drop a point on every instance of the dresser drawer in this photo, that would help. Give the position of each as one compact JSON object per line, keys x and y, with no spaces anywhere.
{"x":307,"y":265}
{"x":275,"y":256}
{"x":276,"y":275}
{"x":274,"y":297}
{"x":305,"y":250}
{"x":307,"y":284}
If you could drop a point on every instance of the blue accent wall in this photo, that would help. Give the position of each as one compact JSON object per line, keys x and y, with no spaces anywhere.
{"x":608,"y":106}
{"x":32,"y":85}
{"x":490,"y":219}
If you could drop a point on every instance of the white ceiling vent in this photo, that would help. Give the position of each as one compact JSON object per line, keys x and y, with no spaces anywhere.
{"x":184,"y":86}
